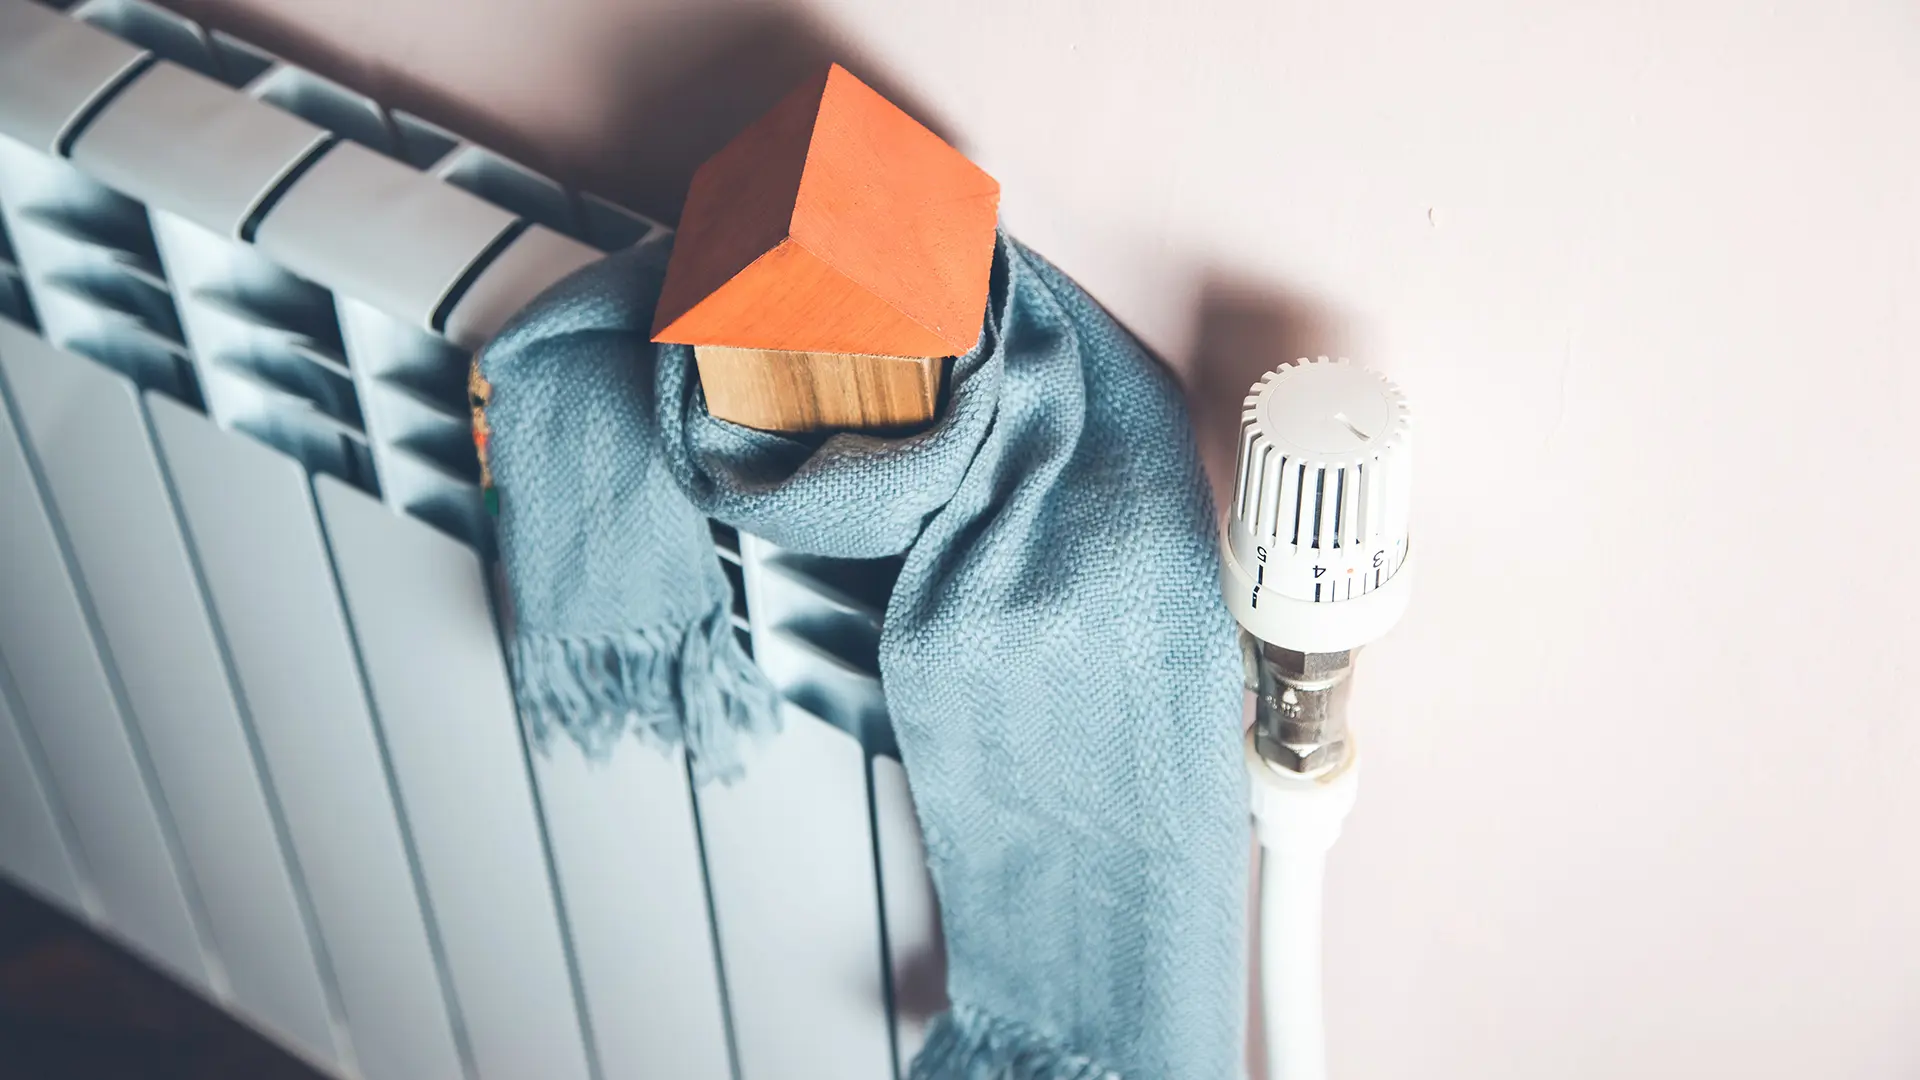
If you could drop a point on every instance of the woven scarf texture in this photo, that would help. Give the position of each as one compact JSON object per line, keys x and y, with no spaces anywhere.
{"x":1062,"y":678}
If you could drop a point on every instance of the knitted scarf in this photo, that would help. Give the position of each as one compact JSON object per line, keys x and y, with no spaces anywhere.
{"x":1062,"y":678}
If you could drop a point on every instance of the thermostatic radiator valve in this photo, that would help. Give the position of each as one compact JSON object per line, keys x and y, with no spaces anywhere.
{"x":1318,"y":560}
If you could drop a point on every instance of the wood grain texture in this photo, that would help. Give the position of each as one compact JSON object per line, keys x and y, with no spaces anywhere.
{"x":885,"y":243}
{"x":775,"y":390}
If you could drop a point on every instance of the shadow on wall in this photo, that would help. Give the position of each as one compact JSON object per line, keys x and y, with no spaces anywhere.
{"x":686,"y":77}
{"x":689,"y":83}
{"x":1244,"y":330}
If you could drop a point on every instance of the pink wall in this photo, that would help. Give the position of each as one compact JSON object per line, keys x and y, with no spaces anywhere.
{"x":1641,"y":794}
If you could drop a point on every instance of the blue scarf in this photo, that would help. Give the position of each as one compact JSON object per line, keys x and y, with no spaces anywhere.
{"x":1062,"y":678}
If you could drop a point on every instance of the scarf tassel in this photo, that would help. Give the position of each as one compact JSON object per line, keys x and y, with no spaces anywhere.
{"x":696,"y":688}
{"x":968,"y":1044}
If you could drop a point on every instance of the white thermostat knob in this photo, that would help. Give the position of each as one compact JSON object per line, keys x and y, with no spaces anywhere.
{"x":1318,"y":554}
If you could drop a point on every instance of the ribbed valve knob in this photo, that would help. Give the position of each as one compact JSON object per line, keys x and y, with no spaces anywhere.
{"x":1320,"y":508}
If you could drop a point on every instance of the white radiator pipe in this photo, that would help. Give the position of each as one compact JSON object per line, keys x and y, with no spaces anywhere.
{"x":1298,"y":819}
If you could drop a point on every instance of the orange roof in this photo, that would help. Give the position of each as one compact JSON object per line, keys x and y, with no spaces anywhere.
{"x":834,"y":223}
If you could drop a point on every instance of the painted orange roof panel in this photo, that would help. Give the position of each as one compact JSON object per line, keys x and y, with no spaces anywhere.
{"x":884,"y":239}
{"x":740,"y":205}
{"x":792,"y":300}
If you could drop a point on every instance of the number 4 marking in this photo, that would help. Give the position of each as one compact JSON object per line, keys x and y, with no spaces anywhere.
{"x":1318,"y":570}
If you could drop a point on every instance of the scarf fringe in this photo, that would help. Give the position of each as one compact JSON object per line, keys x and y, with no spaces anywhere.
{"x":699,"y":689}
{"x":967,"y":1044}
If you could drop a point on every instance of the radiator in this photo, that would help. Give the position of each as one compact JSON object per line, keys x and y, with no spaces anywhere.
{"x":255,"y":722}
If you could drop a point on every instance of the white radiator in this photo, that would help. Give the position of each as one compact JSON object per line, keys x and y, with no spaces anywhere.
{"x":254,"y":717}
